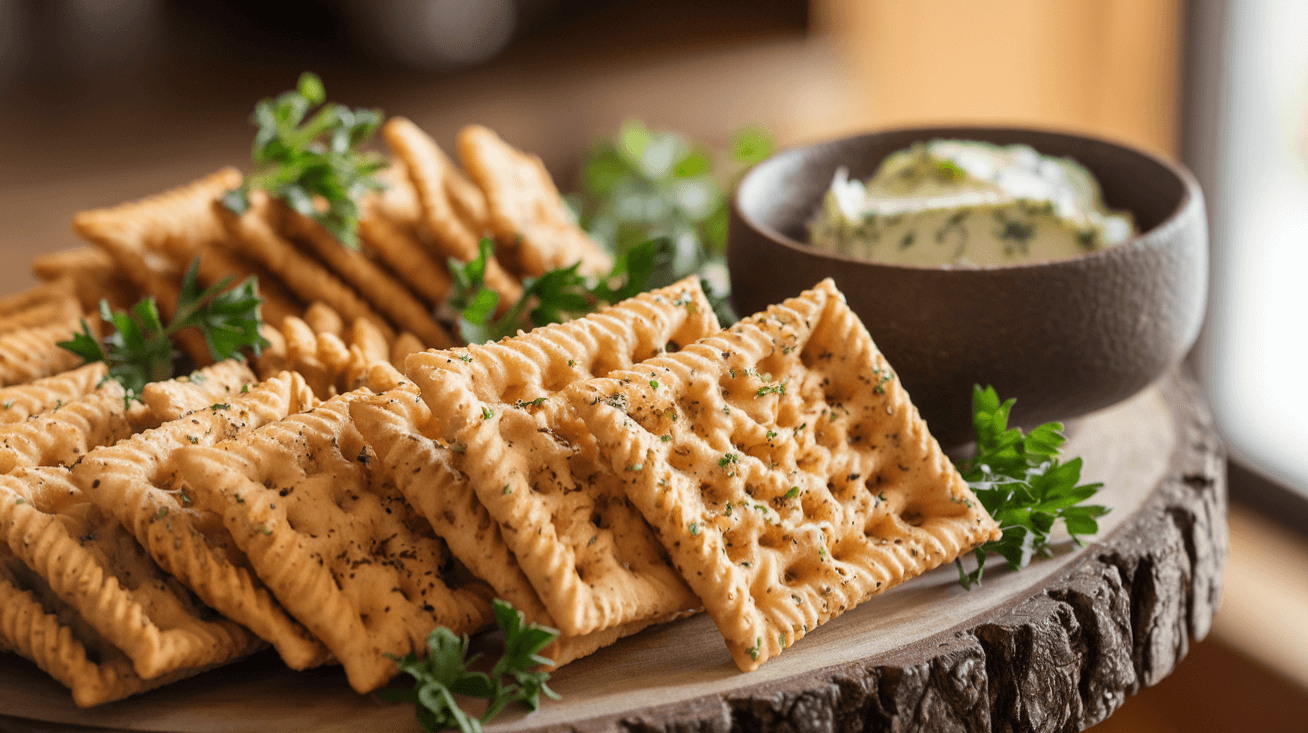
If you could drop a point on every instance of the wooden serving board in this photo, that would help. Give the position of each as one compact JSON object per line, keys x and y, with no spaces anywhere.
{"x":1057,"y":646}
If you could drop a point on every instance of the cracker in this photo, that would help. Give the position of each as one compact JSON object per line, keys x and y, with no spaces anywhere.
{"x":32,"y":353}
{"x":397,"y":427}
{"x":585,"y":550}
{"x":453,"y":208}
{"x":38,"y":626}
{"x":400,"y":249}
{"x":405,"y":344}
{"x":174,"y":223}
{"x":795,"y":479}
{"x":217,"y":384}
{"x":322,"y":319}
{"x":66,"y":433}
{"x":92,"y":564}
{"x":19,"y":402}
{"x":253,"y":234}
{"x":387,"y":295}
{"x":526,"y":212}
{"x":342,"y":553}
{"x":48,"y":313}
{"x":96,"y":276}
{"x":131,"y":481}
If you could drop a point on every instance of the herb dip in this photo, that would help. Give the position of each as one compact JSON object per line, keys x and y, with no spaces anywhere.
{"x":959,"y":202}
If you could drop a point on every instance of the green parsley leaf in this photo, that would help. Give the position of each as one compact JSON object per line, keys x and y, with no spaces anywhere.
{"x":444,"y":673}
{"x":139,"y":349}
{"x":304,"y":157}
{"x":1020,"y":479}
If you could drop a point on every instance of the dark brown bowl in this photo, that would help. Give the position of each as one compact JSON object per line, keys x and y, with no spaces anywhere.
{"x":1064,"y":337}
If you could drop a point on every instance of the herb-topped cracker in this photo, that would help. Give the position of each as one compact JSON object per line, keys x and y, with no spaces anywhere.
{"x":784,"y":469}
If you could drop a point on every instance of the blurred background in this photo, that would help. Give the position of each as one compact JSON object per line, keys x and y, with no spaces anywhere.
{"x":104,"y":101}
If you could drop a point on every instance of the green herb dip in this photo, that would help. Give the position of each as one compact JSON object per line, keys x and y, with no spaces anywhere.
{"x":958,"y":202}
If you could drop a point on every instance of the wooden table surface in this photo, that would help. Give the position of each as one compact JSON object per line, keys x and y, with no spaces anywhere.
{"x":1058,"y":646}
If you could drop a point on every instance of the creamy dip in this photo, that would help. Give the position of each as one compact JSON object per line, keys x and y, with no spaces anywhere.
{"x":958,"y":202}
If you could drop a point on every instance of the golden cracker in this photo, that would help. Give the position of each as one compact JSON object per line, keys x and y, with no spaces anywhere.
{"x":131,"y":481}
{"x":253,"y":234}
{"x":342,"y":553}
{"x":526,"y":211}
{"x":92,"y":564}
{"x":220,"y":383}
{"x":63,"y":435}
{"x":387,"y":295}
{"x":785,"y":469}
{"x":171,"y":225}
{"x":453,"y":208}
{"x":38,"y":626}
{"x":400,"y":249}
{"x":396,"y":425}
{"x":587,"y":552}
{"x":94,"y":273}
{"x":21,"y":401}
{"x":33,"y":353}
{"x":322,"y":319}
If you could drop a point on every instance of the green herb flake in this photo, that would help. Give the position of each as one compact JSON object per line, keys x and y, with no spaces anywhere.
{"x":486,"y":413}
{"x":793,"y":493}
{"x":220,"y":406}
{"x":163,"y":512}
{"x":665,"y":438}
{"x":694,"y":529}
{"x":636,"y":467}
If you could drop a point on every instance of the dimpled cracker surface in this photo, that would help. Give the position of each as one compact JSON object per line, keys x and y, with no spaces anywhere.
{"x":62,"y":435}
{"x":20,"y":401}
{"x":91,"y":563}
{"x":36,"y":625}
{"x":132,"y":481}
{"x":31,"y":353}
{"x":784,"y":469}
{"x":527,"y":214}
{"x":586,"y":551}
{"x":397,"y":425}
{"x":343,"y":553}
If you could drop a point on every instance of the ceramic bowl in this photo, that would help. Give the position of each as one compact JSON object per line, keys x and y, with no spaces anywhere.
{"x":1063,"y":337}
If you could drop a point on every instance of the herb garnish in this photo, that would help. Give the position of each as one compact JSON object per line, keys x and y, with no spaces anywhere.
{"x":139,"y":349}
{"x":444,"y":673}
{"x":1022,"y":483}
{"x":304,"y":162}
{"x":557,"y":296}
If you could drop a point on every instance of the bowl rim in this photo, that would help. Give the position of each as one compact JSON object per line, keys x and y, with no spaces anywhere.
{"x":1191,"y":193}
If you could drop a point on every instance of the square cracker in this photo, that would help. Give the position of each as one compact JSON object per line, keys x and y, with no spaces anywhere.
{"x":342,"y":553}
{"x":588,"y":554}
{"x":38,"y":626}
{"x":397,"y":426}
{"x":92,"y":564}
{"x":32,"y":353}
{"x":453,"y":208}
{"x":21,"y":401}
{"x":132,"y":481}
{"x":784,"y":469}
{"x":387,"y":294}
{"x":527,"y":214}
{"x":253,"y":235}
{"x":65,"y":433}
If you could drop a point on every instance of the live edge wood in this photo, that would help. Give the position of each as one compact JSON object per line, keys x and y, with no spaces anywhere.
{"x":1056,"y":647}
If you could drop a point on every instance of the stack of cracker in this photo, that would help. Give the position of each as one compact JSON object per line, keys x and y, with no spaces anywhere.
{"x":364,"y":480}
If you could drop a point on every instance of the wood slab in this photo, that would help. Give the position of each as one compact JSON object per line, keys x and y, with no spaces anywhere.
{"x":1058,"y":646}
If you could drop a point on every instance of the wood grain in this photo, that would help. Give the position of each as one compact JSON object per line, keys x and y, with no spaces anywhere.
{"x":1058,"y":646}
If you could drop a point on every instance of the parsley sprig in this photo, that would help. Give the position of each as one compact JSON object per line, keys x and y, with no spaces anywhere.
{"x":444,"y":673}
{"x":644,"y":184}
{"x":1022,"y":482}
{"x":557,"y":296}
{"x":139,"y":348}
{"x":304,"y":160}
